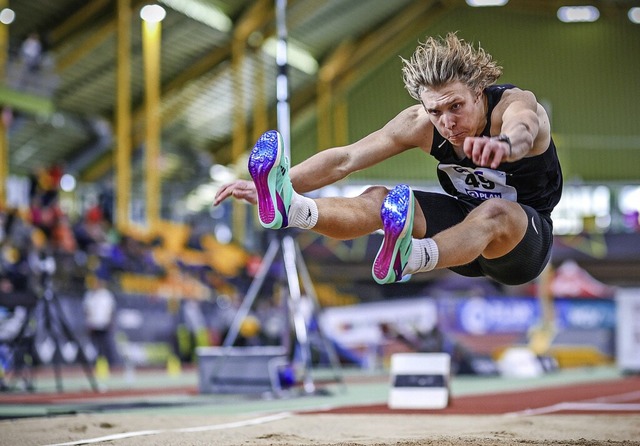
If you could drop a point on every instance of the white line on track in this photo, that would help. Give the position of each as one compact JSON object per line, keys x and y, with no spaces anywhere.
{"x":611,"y":403}
{"x":600,"y":407}
{"x":213,"y":427}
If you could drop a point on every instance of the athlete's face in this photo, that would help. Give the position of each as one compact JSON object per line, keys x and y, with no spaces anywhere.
{"x":455,"y":110}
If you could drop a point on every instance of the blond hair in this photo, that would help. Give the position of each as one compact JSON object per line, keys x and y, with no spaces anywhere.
{"x":439,"y":61}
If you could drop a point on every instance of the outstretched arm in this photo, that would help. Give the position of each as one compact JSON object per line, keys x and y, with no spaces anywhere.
{"x":410,"y":128}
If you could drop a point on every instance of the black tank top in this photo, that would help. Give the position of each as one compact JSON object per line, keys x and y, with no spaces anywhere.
{"x":534,"y":181}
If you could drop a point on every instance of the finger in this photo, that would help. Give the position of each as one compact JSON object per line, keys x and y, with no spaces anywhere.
{"x":488,"y":154}
{"x":467,"y":146}
{"x":499,"y":154}
{"x":242,"y":190}
{"x":496,"y":160}
{"x":478,"y":147}
{"x":223,"y":193}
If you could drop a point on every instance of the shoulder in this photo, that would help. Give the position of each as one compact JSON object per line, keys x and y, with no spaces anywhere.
{"x":518,"y":95}
{"x":411,"y":127}
{"x":513,"y":102}
{"x":414,"y":114}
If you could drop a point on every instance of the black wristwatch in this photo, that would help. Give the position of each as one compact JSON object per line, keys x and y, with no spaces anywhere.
{"x":504,"y":138}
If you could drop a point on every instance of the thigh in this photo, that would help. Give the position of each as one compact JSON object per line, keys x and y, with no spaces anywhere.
{"x":441,"y":211}
{"x":526,"y":261}
{"x":523,"y":264}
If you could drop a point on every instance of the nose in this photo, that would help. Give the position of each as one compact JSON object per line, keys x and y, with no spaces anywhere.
{"x":448,"y":121}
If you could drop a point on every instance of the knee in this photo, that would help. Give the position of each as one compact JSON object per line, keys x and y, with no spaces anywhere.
{"x":376,"y":194}
{"x":494,"y":209}
{"x":497,"y":215}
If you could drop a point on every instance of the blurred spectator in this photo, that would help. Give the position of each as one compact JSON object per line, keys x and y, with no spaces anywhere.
{"x":63,"y":238}
{"x":31,"y":52}
{"x":99,"y":305}
{"x":132,"y":255}
{"x":45,"y":183}
{"x":632,"y":221}
{"x":31,"y":57}
{"x":90,"y":231}
{"x":106,"y":202}
{"x":572,"y":281}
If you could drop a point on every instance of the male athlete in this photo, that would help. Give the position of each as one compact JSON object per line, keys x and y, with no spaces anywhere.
{"x":497,"y":163}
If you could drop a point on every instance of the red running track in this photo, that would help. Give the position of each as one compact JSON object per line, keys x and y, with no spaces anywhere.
{"x":620,"y":396}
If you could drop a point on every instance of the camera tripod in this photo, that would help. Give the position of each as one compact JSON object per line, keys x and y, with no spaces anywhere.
{"x":295,"y":268}
{"x":54,"y":329}
{"x":296,"y":273}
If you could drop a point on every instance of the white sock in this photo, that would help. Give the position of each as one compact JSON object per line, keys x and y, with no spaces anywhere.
{"x":303,"y":212}
{"x":424,"y":256}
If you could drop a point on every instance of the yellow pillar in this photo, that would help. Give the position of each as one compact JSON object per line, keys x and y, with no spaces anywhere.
{"x":260,"y":106}
{"x":4,"y":162}
{"x":4,"y":141}
{"x":239,"y":143}
{"x":255,"y":17}
{"x":122,"y":160}
{"x":151,"y":48}
{"x":328,"y":75}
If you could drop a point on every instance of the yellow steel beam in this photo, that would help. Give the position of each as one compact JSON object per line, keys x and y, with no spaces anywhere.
{"x":197,"y":69}
{"x":151,"y":33}
{"x":92,"y":41}
{"x":386,"y":40}
{"x":4,"y":140}
{"x":98,"y":169}
{"x":330,"y":69}
{"x":253,"y":19}
{"x":352,"y":60}
{"x":260,"y":106}
{"x":77,"y":20}
{"x":122,"y":158}
{"x":260,"y":13}
{"x":95,"y":38}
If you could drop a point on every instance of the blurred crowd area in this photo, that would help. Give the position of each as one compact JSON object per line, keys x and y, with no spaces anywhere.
{"x":159,"y":296}
{"x":179,"y":261}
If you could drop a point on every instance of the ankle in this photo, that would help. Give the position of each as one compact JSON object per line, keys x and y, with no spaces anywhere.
{"x":303,"y":212}
{"x":424,"y":256}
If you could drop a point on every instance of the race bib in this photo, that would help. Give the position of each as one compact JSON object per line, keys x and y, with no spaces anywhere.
{"x":480,"y":182}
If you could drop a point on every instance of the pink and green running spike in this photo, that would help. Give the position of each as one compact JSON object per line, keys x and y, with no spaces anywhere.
{"x":397,"y":222}
{"x":269,"y":169}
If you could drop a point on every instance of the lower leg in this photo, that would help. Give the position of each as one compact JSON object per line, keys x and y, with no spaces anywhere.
{"x":342,"y":218}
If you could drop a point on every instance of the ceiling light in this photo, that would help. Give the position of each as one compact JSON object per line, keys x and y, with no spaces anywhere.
{"x":7,"y":16}
{"x":634,"y":15}
{"x":476,"y":3}
{"x":153,"y":13}
{"x":67,"y":183}
{"x":569,"y":14}
{"x":202,"y":12}
{"x":221,"y":174}
{"x":296,"y":56}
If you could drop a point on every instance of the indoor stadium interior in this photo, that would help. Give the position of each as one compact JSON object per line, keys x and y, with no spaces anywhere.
{"x":123,"y":289}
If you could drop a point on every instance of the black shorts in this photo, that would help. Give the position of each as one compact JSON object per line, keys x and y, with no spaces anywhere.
{"x":523,"y":264}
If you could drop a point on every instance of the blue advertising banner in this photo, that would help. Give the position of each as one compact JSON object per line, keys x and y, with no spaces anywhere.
{"x":493,"y":315}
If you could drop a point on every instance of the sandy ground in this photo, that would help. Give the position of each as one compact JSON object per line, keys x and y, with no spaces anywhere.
{"x":281,"y":429}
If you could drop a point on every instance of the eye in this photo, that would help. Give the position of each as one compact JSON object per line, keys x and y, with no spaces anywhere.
{"x":456,"y":106}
